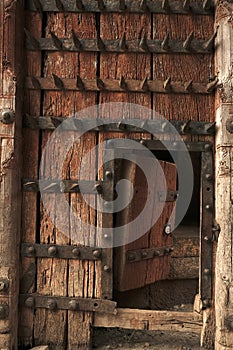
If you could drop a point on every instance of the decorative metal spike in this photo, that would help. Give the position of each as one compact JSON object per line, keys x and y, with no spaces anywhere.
{"x":165,"y":43}
{"x":210,"y":43}
{"x":188,"y":41}
{"x":188,"y":85}
{"x":207,"y":4}
{"x":143,"y":5}
{"x":76,"y":41}
{"x":58,"y":82}
{"x":56,"y":41}
{"x":122,"y":5}
{"x":79,"y":5}
{"x":186,"y":126}
{"x":143,"y":43}
{"x":211,"y":86}
{"x":100,"y":84}
{"x":122,"y":83}
{"x":144,"y":85}
{"x":186,"y":5}
{"x":100,"y":43}
{"x":38,"y":6}
{"x":122,"y":42}
{"x":165,"y":5}
{"x":51,"y":186}
{"x":36,"y":83}
{"x":33,"y":41}
{"x":59,"y":5}
{"x":167,"y":83}
{"x":79,"y":83}
{"x":101,"y":5}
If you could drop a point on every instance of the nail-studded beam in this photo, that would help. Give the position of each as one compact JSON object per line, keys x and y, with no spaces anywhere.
{"x":126,"y":6}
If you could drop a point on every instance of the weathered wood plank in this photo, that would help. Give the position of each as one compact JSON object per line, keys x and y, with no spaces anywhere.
{"x":11,"y":14}
{"x":151,"y":320}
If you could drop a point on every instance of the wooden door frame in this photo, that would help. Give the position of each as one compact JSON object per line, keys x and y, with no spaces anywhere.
{"x":11,"y":59}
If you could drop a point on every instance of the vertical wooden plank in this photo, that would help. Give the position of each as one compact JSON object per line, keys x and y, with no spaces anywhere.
{"x":32,"y":105}
{"x":223,"y":173}
{"x":11,"y":54}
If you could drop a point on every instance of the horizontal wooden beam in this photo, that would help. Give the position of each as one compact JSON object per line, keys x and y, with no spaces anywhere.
{"x":150,"y":320}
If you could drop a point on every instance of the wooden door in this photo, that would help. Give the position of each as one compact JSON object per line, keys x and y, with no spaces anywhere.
{"x":146,"y":259}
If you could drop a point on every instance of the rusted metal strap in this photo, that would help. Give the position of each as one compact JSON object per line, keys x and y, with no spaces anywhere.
{"x":143,"y":45}
{"x":123,"y":85}
{"x":123,"y":6}
{"x":124,"y":125}
{"x":62,"y":186}
{"x":147,"y":253}
{"x":36,"y":301}
{"x":60,"y":251}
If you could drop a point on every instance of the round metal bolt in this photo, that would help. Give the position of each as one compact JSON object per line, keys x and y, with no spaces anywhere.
{"x":209,"y":177}
{"x":205,"y":303}
{"x":7,"y":116}
{"x":121,"y":126}
{"x":31,"y":250}
{"x":98,"y":188}
{"x":206,"y":238}
{"x":76,"y":251}
{"x":107,"y":268}
{"x":131,"y":257}
{"x":29,"y":302}
{"x":97,"y":253}
{"x":52,"y":251}
{"x":143,"y":142}
{"x":51,"y":304}
{"x":144,"y":254}
{"x":2,"y":312}
{"x":108,"y":174}
{"x":73,"y":305}
{"x":168,"y":229}
{"x":156,"y":253}
{"x":208,"y":147}
{"x":206,"y":271}
{"x":106,"y":236}
{"x":208,"y":207}
{"x":167,"y":250}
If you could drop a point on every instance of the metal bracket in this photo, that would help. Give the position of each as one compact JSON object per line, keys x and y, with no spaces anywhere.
{"x":147,"y":253}
{"x":139,"y":6}
{"x":35,"y":301}
{"x":121,"y":125}
{"x":60,"y":251}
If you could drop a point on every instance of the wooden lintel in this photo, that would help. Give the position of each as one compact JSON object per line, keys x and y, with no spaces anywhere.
{"x":151,"y":320}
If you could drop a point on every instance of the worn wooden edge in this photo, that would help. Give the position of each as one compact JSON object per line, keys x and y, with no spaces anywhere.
{"x":150,"y":320}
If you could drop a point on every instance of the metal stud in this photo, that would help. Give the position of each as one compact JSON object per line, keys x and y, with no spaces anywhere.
{"x":143,"y":43}
{"x":51,"y":304}
{"x":38,"y":6}
{"x":186,"y":5}
{"x":131,"y":256}
{"x":168,"y":229}
{"x":167,"y":84}
{"x":207,"y":4}
{"x":29,"y":302}
{"x":212,"y":85}
{"x":101,"y":5}
{"x":79,"y":83}
{"x":108,"y":175}
{"x":76,"y":41}
{"x":73,"y":305}
{"x":59,"y":5}
{"x":122,"y":42}
{"x":121,"y":126}
{"x":208,"y":207}
{"x":79,"y":5}
{"x":31,"y":250}
{"x":107,"y":268}
{"x":58,"y":81}
{"x":76,"y":252}
{"x":144,"y":255}
{"x":143,"y":5}
{"x":122,"y":83}
{"x":56,"y":41}
{"x":210,"y":43}
{"x":209,"y":177}
{"x":33,"y":41}
{"x":188,"y":41}
{"x":189,"y":85}
{"x":51,"y":186}
{"x":98,"y":188}
{"x":122,"y":5}
{"x":74,"y":186}
{"x":186,"y":126}
{"x":97,"y":253}
{"x":144,"y":84}
{"x":165,"y":5}
{"x":156,"y":253}
{"x":52,"y":251}
{"x":165,"y":43}
{"x":100,"y":84}
{"x":36,"y":83}
{"x":100,"y":43}
{"x":208,"y":147}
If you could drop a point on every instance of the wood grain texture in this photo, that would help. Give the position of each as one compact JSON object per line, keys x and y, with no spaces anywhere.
{"x":11,"y":37}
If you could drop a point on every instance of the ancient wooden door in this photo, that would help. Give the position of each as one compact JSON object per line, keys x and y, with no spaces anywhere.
{"x":78,"y":54}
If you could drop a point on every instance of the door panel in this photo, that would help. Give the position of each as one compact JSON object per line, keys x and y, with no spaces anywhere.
{"x":136,"y":263}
